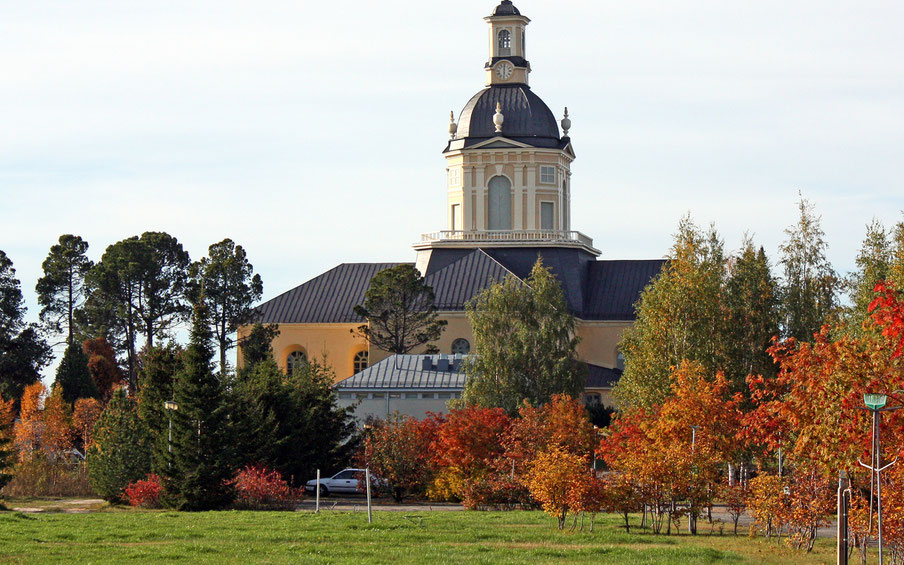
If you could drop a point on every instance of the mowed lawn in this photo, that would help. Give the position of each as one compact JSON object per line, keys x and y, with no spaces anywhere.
{"x":334,"y":537}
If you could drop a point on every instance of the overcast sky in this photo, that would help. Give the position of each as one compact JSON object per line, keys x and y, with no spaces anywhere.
{"x":311,"y":132}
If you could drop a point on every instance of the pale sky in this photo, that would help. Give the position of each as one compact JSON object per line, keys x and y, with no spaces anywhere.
{"x":311,"y":133}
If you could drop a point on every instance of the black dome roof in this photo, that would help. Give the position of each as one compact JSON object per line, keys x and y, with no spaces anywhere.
{"x":506,"y":8}
{"x":527,"y":118}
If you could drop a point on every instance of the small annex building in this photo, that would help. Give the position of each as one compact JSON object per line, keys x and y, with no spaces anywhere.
{"x":509,"y":195}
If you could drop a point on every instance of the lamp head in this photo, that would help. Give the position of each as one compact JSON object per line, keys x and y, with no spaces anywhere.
{"x":875,"y":401}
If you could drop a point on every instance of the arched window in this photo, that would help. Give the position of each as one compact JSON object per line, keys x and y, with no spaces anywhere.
{"x":505,"y":43}
{"x":360,"y":361}
{"x":295,"y":361}
{"x":500,"y":204}
{"x":620,"y":361}
{"x":461,"y":346}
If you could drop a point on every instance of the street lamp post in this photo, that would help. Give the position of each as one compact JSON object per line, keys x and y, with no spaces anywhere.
{"x":691,"y":520}
{"x":875,"y":403}
{"x":170,"y":406}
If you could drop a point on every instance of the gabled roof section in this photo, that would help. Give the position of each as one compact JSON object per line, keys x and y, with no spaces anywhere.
{"x":614,"y":287}
{"x":325,"y":299}
{"x":601,"y":377}
{"x":408,"y":372}
{"x":455,"y":284}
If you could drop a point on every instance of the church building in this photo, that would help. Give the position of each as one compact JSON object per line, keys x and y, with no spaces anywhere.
{"x":509,"y":192}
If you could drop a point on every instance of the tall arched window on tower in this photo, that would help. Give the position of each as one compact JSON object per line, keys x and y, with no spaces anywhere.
{"x":500,"y":204}
{"x":505,"y":43}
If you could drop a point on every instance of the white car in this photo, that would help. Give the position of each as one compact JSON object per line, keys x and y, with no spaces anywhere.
{"x":345,"y":481}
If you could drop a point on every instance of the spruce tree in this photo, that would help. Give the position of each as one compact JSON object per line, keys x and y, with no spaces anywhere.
{"x":159,"y":367}
{"x":120,"y":453}
{"x":751,"y":295}
{"x":74,"y":376}
{"x":202,"y":458}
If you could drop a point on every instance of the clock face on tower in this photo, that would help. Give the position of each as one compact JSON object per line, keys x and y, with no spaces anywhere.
{"x":504,"y":70}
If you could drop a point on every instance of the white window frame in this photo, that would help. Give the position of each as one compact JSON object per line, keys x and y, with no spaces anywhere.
{"x":544,"y":170}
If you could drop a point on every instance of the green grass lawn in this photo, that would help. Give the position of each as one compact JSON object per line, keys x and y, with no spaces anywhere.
{"x":334,"y":537}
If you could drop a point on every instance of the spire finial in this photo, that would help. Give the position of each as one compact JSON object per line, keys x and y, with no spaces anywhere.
{"x":453,"y":127}
{"x":498,"y":118}
{"x":566,"y":123}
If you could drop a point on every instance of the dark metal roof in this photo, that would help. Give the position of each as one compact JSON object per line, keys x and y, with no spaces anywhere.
{"x":613,"y":287}
{"x":506,"y":8}
{"x":601,"y":377}
{"x":328,"y":298}
{"x":527,"y":118}
{"x":407,"y":372}
{"x":594,"y":290}
{"x":455,"y":284}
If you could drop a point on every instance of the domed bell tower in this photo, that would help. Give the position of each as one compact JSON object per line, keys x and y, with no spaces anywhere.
{"x":508,"y":62}
{"x":508,"y":168}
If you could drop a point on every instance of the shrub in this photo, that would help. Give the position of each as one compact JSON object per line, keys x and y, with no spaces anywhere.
{"x":144,"y":493}
{"x":37,"y":476}
{"x":260,"y":488}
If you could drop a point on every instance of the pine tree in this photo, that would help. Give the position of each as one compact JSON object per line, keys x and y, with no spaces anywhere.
{"x":120,"y":453}
{"x":202,"y":459}
{"x":62,"y":290}
{"x":257,"y":346}
{"x":74,"y":376}
{"x":680,"y":316}
{"x":525,"y":344}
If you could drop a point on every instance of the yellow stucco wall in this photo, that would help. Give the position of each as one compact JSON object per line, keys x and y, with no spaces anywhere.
{"x":339,"y":343}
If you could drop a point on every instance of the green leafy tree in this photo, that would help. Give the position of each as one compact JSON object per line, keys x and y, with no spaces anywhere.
{"x":751,"y":296}
{"x":681,"y":315}
{"x":62,"y":290}
{"x":74,"y":376}
{"x":257,"y":346}
{"x":159,"y":366}
{"x":881,"y":258}
{"x":23,"y":351}
{"x":292,"y":423}
{"x":231,"y":288}
{"x":202,"y":458}
{"x":810,"y":285}
{"x":400,"y":311}
{"x":120,"y":453}
{"x":525,"y":344}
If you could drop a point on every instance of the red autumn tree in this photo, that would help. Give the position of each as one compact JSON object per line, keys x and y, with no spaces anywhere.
{"x":398,"y":450}
{"x":103,"y":366}
{"x":467,"y":449}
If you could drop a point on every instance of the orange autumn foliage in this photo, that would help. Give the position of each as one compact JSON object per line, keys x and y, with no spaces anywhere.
{"x":86,"y":413}
{"x":58,"y":432}
{"x":30,"y":427}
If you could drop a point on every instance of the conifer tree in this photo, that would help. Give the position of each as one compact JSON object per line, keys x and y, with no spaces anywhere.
{"x":160,"y":364}
{"x":62,"y":290}
{"x":74,"y":376}
{"x":202,"y":459}
{"x":120,"y":453}
{"x":257,"y":346}
{"x":751,"y":295}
